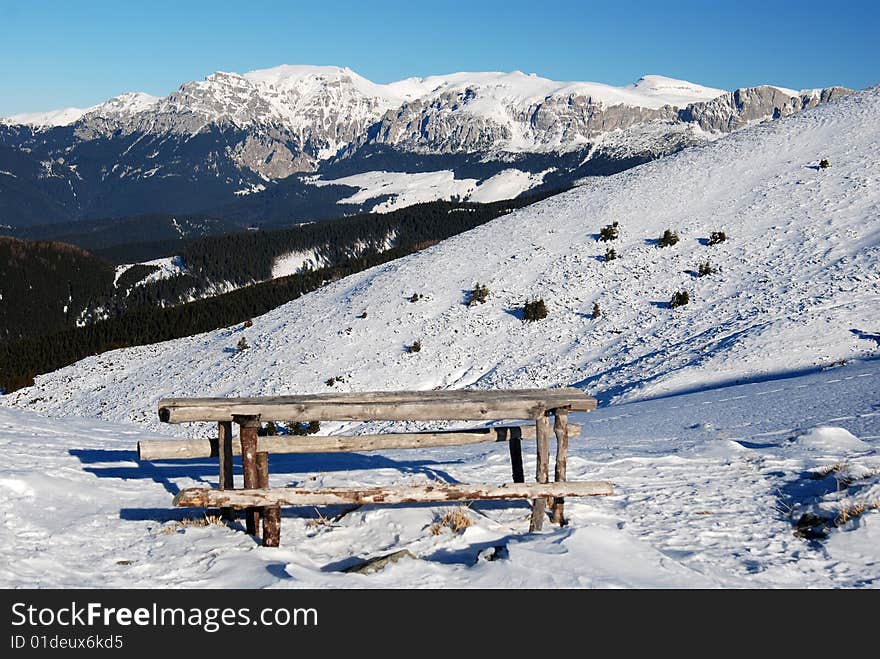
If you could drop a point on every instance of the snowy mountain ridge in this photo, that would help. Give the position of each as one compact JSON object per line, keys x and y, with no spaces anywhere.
{"x":286,"y":84}
{"x":239,"y":144}
{"x":322,"y":109}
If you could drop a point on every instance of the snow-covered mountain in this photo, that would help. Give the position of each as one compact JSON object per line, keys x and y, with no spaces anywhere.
{"x":248,"y":135}
{"x":728,"y":425}
{"x":797,"y":287}
{"x":52,"y":118}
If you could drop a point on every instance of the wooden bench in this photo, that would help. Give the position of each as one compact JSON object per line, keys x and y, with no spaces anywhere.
{"x":262,"y":502}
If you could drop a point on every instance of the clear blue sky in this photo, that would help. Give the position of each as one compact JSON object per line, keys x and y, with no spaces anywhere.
{"x":78,"y":52}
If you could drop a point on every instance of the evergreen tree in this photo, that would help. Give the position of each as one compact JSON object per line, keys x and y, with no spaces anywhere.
{"x":534,"y":310}
{"x":679,"y":299}
{"x":609,"y":232}
{"x":668,"y":239}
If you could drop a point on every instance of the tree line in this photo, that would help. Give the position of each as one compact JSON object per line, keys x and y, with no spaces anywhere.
{"x":151,"y":313}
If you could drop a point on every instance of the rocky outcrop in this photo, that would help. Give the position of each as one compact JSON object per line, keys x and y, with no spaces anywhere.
{"x":744,"y":106}
{"x":445,"y":124}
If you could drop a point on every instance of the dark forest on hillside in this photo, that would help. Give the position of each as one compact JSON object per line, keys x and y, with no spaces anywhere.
{"x":47,"y":285}
{"x":152,"y":312}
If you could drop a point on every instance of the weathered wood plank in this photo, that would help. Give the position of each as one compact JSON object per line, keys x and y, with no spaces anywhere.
{"x":390,"y":406}
{"x":224,"y":456}
{"x":171,"y":449}
{"x":514,"y":443}
{"x":248,"y":435}
{"x":539,"y":505}
{"x":270,"y":515}
{"x":433,"y":493}
{"x":439,"y":395}
{"x":560,"y":428}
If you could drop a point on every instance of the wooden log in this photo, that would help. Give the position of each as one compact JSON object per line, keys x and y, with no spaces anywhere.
{"x":391,"y":406}
{"x":224,"y":455}
{"x":248,"y":433}
{"x":539,"y":505}
{"x":272,"y":526}
{"x":514,"y":443}
{"x":262,"y":462}
{"x":560,"y":428}
{"x":171,"y":449}
{"x":271,"y":515}
{"x":433,"y":493}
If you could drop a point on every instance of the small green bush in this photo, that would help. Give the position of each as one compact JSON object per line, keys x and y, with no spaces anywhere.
{"x":717,"y":237}
{"x":824,"y":164}
{"x":478,"y":295}
{"x":299,"y":428}
{"x":534,"y":310}
{"x":267,"y":429}
{"x":679,"y":299}
{"x":668,"y":239}
{"x":706,"y":269}
{"x":597,"y":312}
{"x":610,"y":254}
{"x":415,"y":297}
{"x":609,"y":232}
{"x":416,"y":346}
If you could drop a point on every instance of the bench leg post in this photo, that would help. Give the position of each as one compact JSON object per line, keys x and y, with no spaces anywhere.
{"x":514,"y":443}
{"x":248,"y":433}
{"x":271,"y":515}
{"x":224,"y":454}
{"x":542,"y":472}
{"x":560,"y":428}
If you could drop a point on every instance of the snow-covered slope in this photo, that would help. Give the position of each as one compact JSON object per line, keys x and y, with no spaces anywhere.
{"x":797,"y":288}
{"x":63,"y":117}
{"x":708,"y":489}
{"x":720,"y":423}
{"x":401,"y":189}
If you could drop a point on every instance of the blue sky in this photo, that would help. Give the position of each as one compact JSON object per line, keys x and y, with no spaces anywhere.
{"x":77,"y":53}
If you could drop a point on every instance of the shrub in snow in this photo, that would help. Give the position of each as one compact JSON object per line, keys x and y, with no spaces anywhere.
{"x":717,"y":237}
{"x":706,"y":269}
{"x":668,"y":239}
{"x":300,"y":428}
{"x":679,"y":299}
{"x":363,"y":315}
{"x":610,"y":254}
{"x":609,"y":232}
{"x":415,"y":347}
{"x":268,"y":429}
{"x":415,"y":297}
{"x":596,"y":310}
{"x":534,"y":310}
{"x":824,"y":164}
{"x":478,"y":295}
{"x":242,"y":344}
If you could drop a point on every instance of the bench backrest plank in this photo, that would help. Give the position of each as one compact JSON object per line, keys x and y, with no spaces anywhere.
{"x":386,"y":406}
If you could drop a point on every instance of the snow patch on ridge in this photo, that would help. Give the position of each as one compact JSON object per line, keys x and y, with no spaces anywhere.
{"x":406,"y":189}
{"x":294,"y":262}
